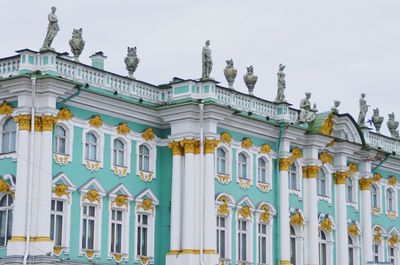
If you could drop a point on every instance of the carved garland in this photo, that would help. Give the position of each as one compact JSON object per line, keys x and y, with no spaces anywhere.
{"x":265,"y":149}
{"x":147,"y":204}
{"x":121,"y":200}
{"x":392,"y":181}
{"x":377,"y":177}
{"x":92,"y":196}
{"x":393,"y":240}
{"x":61,"y":190}
{"x":377,"y":235}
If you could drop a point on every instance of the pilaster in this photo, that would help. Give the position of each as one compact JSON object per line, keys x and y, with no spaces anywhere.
{"x":365,"y":183}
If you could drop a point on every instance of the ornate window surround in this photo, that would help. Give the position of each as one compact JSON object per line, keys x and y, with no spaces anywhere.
{"x":245,"y":183}
{"x":244,"y":202}
{"x":228,"y":152}
{"x":377,"y":211}
{"x":394,"y":214}
{"x":299,"y":177}
{"x":381,"y":244}
{"x":231,"y":205}
{"x":330,"y":241}
{"x":69,"y":136}
{"x":272,"y":212}
{"x":12,"y":155}
{"x":269,"y":164}
{"x":99,"y":133}
{"x":356,"y":192}
{"x":126,"y":140}
{"x":151,"y":174}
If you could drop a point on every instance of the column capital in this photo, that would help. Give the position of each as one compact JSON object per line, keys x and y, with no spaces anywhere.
{"x":285,"y":163}
{"x":176,"y":148}
{"x":47,"y":122}
{"x":340,"y":177}
{"x":365,"y":183}
{"x":311,"y":171}
{"x":188,"y":145}
{"x":210,"y":145}
{"x":24,"y":122}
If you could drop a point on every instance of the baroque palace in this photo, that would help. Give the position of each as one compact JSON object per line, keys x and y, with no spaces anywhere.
{"x":102,"y":168}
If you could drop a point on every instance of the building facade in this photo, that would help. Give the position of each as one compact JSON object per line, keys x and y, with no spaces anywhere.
{"x":98,"y":167}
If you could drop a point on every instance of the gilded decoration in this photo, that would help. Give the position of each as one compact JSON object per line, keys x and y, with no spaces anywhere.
{"x":352,"y":169}
{"x":48,"y":122}
{"x":23,"y":121}
{"x":265,"y":149}
{"x":296,"y":219}
{"x":120,"y":171}
{"x":92,"y":165}
{"x":95,"y":121}
{"x":377,"y":177}
{"x":223,"y":179}
{"x":148,"y":134}
{"x":377,"y":235}
{"x":121,"y":200}
{"x":61,"y":160}
{"x":245,"y":212}
{"x":89,"y":254}
{"x":147,"y":204}
{"x":353,"y":230}
{"x":118,"y":257}
{"x":244,"y":183}
{"x":391,"y":215}
{"x":365,"y":183}
{"x":393,"y":240}
{"x":247,"y":143}
{"x":61,"y":190}
{"x":226,"y":138}
{"x":146,"y":176}
{"x":326,"y":158}
{"x":340,"y":177}
{"x":210,"y":145}
{"x":176,"y":148}
{"x":6,"y":109}
{"x":263,"y":187}
{"x":310,"y":171}
{"x":188,"y":145}
{"x":57,"y":250}
{"x":392,"y":181}
{"x":64,"y":114}
{"x":326,"y":225}
{"x":327,"y":125}
{"x":123,"y":128}
{"x":4,"y":187}
{"x":331,"y":143}
{"x":296,"y":153}
{"x":376,"y":211}
{"x":144,"y":260}
{"x":265,"y":215}
{"x":223,"y":209}
{"x":284,"y":164}
{"x":197,"y":147}
{"x":92,"y":196}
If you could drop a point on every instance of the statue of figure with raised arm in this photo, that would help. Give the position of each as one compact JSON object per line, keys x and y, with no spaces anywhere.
{"x":207,"y":61}
{"x":363,"y":111}
{"x":280,"y":97}
{"x":52,"y":29}
{"x":307,"y":114}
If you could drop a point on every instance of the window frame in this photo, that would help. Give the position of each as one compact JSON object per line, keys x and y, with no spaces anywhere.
{"x":297,"y":164}
{"x":125,"y":169}
{"x":217,"y":160}
{"x":249,"y":229}
{"x":394,"y":203}
{"x":244,"y":183}
{"x":56,"y":140}
{"x":9,"y":210}
{"x":268,"y":169}
{"x":228,"y":225}
{"x":15,"y":137}
{"x":268,"y":235}
{"x":152,"y":161}
{"x":98,"y":132}
{"x":69,"y":131}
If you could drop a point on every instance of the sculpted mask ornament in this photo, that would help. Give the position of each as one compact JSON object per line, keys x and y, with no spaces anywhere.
{"x":280,"y":97}
{"x":61,"y":190}
{"x":96,"y":121}
{"x":247,"y":143}
{"x":393,"y":240}
{"x":226,"y":138}
{"x":265,"y":215}
{"x":52,"y":30}
{"x":131,"y":61}
{"x":230,"y":73}
{"x":121,"y":200}
{"x":206,"y":61}
{"x":353,"y":230}
{"x":296,"y":153}
{"x":377,"y":120}
{"x":265,"y":149}
{"x":5,"y":109}
{"x":77,"y":43}
{"x":352,"y":169}
{"x":392,"y":180}
{"x":147,"y":204}
{"x":64,"y":114}
{"x":327,"y":125}
{"x":245,"y":212}
{"x":123,"y":128}
{"x":363,"y":111}
{"x":148,"y":134}
{"x":392,"y":126}
{"x":296,"y":219}
{"x":250,"y":79}
{"x":326,"y":225}
{"x":93,"y":196}
{"x":307,"y":114}
{"x":326,"y":158}
{"x":223,"y":209}
{"x":377,"y":177}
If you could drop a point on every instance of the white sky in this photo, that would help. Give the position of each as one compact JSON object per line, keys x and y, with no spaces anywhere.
{"x":336,"y":49}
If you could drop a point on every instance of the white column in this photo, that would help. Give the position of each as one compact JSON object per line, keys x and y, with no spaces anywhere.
{"x":342,"y":256}
{"x":310,"y":183}
{"x":365,"y":187}
{"x":284,"y":165}
{"x":175,"y":235}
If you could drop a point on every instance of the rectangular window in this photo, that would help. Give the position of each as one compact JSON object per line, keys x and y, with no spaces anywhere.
{"x":88,"y":226}
{"x":392,"y":256}
{"x":242,"y":240}
{"x":375,"y":251}
{"x":142,"y":235}
{"x":56,"y":222}
{"x":262,"y":243}
{"x":116,"y":231}
{"x":221,"y":236}
{"x":293,"y":181}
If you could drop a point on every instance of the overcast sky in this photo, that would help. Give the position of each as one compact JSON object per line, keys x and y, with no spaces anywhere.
{"x":335,"y":49}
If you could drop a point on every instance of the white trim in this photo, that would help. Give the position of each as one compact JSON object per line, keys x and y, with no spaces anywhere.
{"x":228,"y":152}
{"x":228,"y":224}
{"x":127,"y":154}
{"x":245,"y":201}
{"x":355,"y":193}
{"x":395,"y":200}
{"x":269,"y":233}
{"x":69,"y":138}
{"x":100,"y":146}
{"x":328,"y":184}
{"x":299,"y":178}
{"x":12,"y":155}
{"x":152,"y":161}
{"x":249,"y":163}
{"x":269,"y":164}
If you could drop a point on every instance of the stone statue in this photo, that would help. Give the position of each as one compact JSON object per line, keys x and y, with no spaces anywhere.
{"x":392,"y":126}
{"x":77,"y":43}
{"x":307,"y":114}
{"x":230,"y":73}
{"x":131,"y":61}
{"x":250,"y":79}
{"x":363,"y":111}
{"x":335,"y":107}
{"x":280,"y":97}
{"x":377,"y":120}
{"x":207,"y":61}
{"x":52,"y":30}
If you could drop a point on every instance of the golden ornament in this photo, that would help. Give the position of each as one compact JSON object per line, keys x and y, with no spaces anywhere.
{"x":326,"y":158}
{"x":148,"y":134}
{"x":64,"y":114}
{"x":247,"y":143}
{"x":327,"y":125}
{"x":123,"y":128}
{"x":5,"y":108}
{"x":226,"y":138}
{"x":265,"y":149}
{"x":96,"y":121}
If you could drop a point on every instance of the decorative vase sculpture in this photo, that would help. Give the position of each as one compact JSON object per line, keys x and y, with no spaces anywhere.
{"x":77,"y":43}
{"x":393,"y":125}
{"x":131,"y":61}
{"x":230,"y":73}
{"x":377,"y":120}
{"x":335,"y":107}
{"x":250,"y":79}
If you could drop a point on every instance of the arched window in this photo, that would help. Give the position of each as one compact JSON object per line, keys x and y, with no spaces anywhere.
{"x":5,"y":219}
{"x":221,"y":161}
{"x":262,"y":170}
{"x":292,"y":245}
{"x":91,"y":146}
{"x":392,"y":254}
{"x":242,"y":166}
{"x":322,"y":248}
{"x":351,"y":251}
{"x":293,"y":185}
{"x":9,"y":136}
{"x":60,"y":140}
{"x":321,"y":183}
{"x":119,"y":153}
{"x":221,"y":236}
{"x":144,"y":158}
{"x":374,"y":196}
{"x":390,"y":200}
{"x":349,"y":190}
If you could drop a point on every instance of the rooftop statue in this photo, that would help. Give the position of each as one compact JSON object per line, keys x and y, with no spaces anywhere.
{"x":280,"y":97}
{"x":230,"y":73}
{"x":363,"y":111}
{"x":250,"y":79}
{"x":307,"y":114}
{"x":52,"y":29}
{"x":131,"y":61}
{"x":77,"y":43}
{"x":392,"y":126}
{"x":377,"y":120}
{"x":207,"y":61}
{"x":335,"y":107}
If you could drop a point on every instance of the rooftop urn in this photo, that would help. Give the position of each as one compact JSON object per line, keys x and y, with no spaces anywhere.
{"x":392,"y":126}
{"x":250,"y":79}
{"x":76,"y":43}
{"x":131,"y":61}
{"x":230,"y":73}
{"x":377,"y":120}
